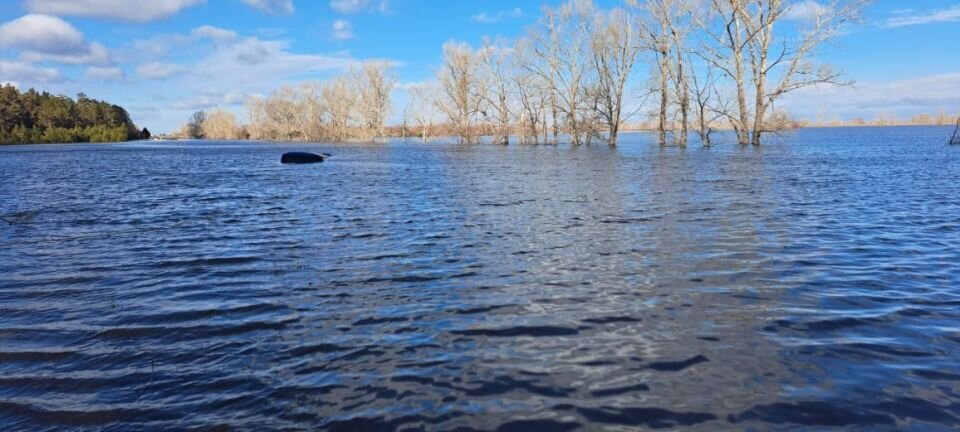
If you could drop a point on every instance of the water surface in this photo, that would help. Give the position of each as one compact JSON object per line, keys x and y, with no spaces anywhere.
{"x":809,"y":284}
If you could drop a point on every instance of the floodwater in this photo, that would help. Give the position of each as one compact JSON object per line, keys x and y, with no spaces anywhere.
{"x":813,"y":283}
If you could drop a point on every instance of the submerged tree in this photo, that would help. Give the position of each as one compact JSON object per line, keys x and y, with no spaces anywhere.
{"x":745,"y":42}
{"x":194,"y":126}
{"x":496,"y":89}
{"x":615,"y":46}
{"x":781,"y":65}
{"x":715,"y":64}
{"x":374,"y":84}
{"x":219,"y":125}
{"x":422,"y":100}
{"x":665,"y":26}
{"x":562,"y":58}
{"x":352,"y":105}
{"x":460,"y":98}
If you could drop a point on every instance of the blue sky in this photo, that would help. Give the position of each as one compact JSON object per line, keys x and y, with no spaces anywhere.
{"x":164,"y":59}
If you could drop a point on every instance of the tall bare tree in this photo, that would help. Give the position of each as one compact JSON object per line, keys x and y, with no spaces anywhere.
{"x":460,"y":91}
{"x":194,"y":126}
{"x":725,"y":49}
{"x":219,"y":125}
{"x":374,"y":84}
{"x":313,"y":106}
{"x":422,"y":108}
{"x":534,"y":95}
{"x":562,"y":47}
{"x":615,"y":46}
{"x":498,"y":93}
{"x":340,"y":110}
{"x":665,"y":25}
{"x":680,"y":27}
{"x":707,"y":104}
{"x":779,"y":68}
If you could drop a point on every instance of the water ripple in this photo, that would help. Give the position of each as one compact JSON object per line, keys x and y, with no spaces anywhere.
{"x":810,"y":284}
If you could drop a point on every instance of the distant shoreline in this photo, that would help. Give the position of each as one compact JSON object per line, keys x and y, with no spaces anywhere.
{"x":433,"y":139}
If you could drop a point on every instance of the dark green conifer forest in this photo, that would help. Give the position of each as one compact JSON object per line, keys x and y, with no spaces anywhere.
{"x":40,"y":117}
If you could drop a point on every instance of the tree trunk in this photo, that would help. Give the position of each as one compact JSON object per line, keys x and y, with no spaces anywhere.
{"x":664,"y":97}
{"x":743,"y":136}
{"x":684,"y":110}
{"x":556,"y":125}
{"x":684,"y":96}
{"x":761,"y":82}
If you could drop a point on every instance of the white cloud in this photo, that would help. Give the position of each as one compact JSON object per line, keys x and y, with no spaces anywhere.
{"x":356,"y":6}
{"x":276,"y":7}
{"x":950,"y":14}
{"x":343,"y":30}
{"x":41,"y":33}
{"x":912,"y":95}
{"x":104,"y":74}
{"x":252,"y":57}
{"x":484,"y":17}
{"x":159,"y":71}
{"x":212,"y":100}
{"x":126,"y":10}
{"x":42,"y":38}
{"x":27,"y":73}
{"x":806,"y":11}
{"x":216,"y":34}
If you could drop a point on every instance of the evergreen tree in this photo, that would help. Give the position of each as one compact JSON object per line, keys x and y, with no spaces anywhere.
{"x":39,"y":117}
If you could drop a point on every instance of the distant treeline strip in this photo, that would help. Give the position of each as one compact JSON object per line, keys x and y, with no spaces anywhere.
{"x":34,"y":117}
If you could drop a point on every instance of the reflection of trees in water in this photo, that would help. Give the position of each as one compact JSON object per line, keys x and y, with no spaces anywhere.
{"x":702,"y":231}
{"x":639,"y":260}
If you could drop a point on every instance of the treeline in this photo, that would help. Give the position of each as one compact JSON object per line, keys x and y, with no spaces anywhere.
{"x":579,"y":75}
{"x":941,"y":118}
{"x":693,"y":66}
{"x":352,"y":106}
{"x":40,"y":117}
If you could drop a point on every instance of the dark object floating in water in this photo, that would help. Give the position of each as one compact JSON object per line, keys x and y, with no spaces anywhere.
{"x":301,"y":158}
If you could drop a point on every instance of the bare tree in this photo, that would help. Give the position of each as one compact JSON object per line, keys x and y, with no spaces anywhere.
{"x":256,"y":118}
{"x":194,"y":126}
{"x":374,"y":84}
{"x":459,"y":97}
{"x":562,"y":47}
{"x":533,"y":95}
{"x":421,"y":106}
{"x":615,"y":47}
{"x":353,"y":105}
{"x":497,"y":93}
{"x":339,"y":107}
{"x":543,"y":62}
{"x":791,"y":63}
{"x":744,"y":44}
{"x":725,"y":49}
{"x":708,"y":106}
{"x":679,"y":27}
{"x":219,"y":125}
{"x":312,"y":106}
{"x":664,"y":25}
{"x":284,"y":115}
